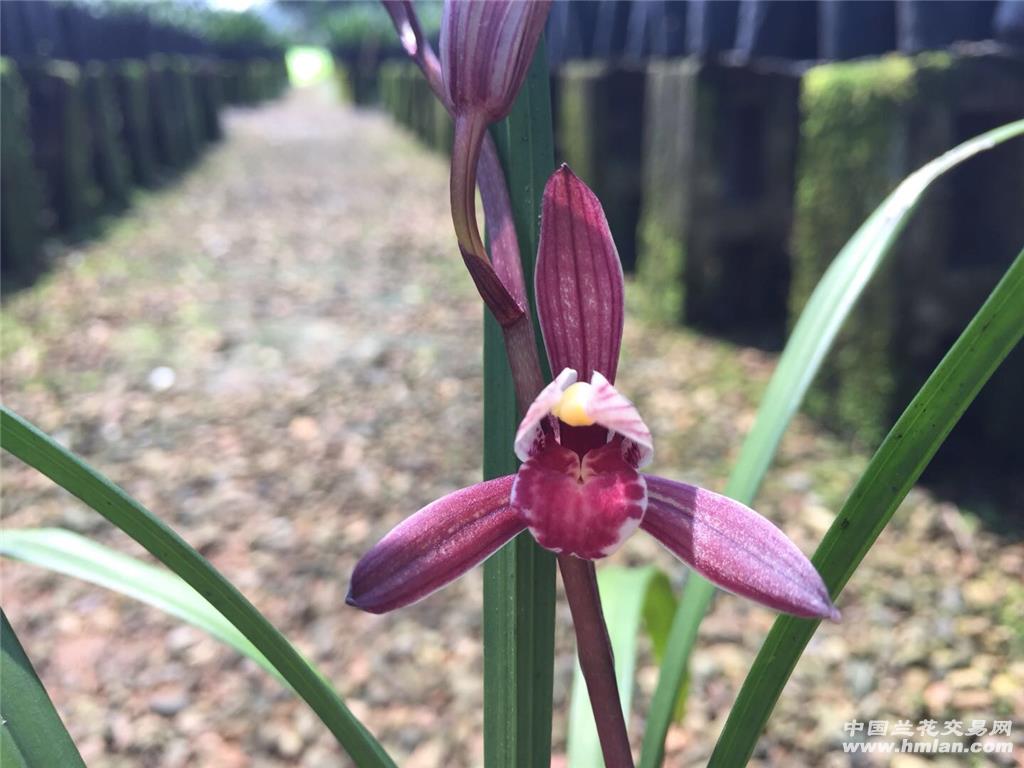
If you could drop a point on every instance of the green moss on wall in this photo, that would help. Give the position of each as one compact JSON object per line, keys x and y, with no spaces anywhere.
{"x":231,"y":82}
{"x":131,"y":88}
{"x":660,"y":272}
{"x":600,"y":135}
{"x":110,"y":161}
{"x":343,"y":82}
{"x":62,"y":143}
{"x":854,"y":121}
{"x":668,"y":129}
{"x":444,"y":127}
{"x":166,"y":122}
{"x":187,"y":106}
{"x":209,"y":92}
{"x":20,"y":189}
{"x":405,"y":100}
{"x":578,"y":127}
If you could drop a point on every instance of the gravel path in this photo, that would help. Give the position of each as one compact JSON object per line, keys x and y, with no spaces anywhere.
{"x":280,"y":356}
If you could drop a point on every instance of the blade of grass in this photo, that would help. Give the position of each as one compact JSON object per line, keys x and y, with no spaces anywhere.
{"x":31,"y":731}
{"x":519,"y":580}
{"x":895,"y":467}
{"x":73,"y":555}
{"x":41,"y":452}
{"x":816,"y":329}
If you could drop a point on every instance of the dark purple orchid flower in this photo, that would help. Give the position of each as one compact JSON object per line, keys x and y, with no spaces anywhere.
{"x":579,"y":490}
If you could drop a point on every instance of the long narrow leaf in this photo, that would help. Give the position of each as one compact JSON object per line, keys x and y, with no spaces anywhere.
{"x":73,"y":555}
{"x":71,"y":473}
{"x":812,"y":337}
{"x":632,"y":599}
{"x":31,"y":731}
{"x":519,"y":581}
{"x":895,"y":467}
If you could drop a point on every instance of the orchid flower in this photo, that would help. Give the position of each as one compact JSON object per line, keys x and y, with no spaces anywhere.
{"x":579,"y":490}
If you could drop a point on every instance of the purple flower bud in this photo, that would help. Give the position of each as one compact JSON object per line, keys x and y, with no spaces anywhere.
{"x":486,"y":48}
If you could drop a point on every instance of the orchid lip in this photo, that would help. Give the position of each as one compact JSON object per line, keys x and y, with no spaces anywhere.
{"x":583,"y":507}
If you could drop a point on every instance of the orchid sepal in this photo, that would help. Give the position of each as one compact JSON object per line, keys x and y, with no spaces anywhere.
{"x":735,"y":548}
{"x":579,"y":284}
{"x":435,"y":546}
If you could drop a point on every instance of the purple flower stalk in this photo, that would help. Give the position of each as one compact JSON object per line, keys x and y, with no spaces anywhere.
{"x":580,"y":491}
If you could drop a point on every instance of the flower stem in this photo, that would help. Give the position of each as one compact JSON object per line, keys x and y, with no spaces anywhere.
{"x":524,"y":362}
{"x":596,"y":660}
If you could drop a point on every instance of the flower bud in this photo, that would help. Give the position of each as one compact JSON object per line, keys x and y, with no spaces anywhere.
{"x":486,"y":48}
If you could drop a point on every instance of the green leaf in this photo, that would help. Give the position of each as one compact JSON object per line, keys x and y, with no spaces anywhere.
{"x":73,"y":555}
{"x":631,"y":598}
{"x":812,"y":337}
{"x":31,"y":731}
{"x":71,"y":473}
{"x":895,"y":467}
{"x":519,"y":580}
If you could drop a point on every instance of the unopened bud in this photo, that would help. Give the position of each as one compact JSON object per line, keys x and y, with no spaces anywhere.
{"x":486,"y":49}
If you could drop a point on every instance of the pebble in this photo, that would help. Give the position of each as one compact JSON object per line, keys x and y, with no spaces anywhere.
{"x":161,"y":378}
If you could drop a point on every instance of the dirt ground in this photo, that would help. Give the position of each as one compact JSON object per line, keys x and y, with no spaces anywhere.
{"x":280,"y":356}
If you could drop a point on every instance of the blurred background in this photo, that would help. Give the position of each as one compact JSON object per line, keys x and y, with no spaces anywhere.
{"x":228,"y":281}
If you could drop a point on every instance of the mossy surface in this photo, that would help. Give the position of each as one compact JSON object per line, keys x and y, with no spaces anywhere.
{"x":169,"y":141}
{"x":578,"y":127}
{"x":600,"y":135}
{"x":231,"y":82}
{"x":110,"y":161}
{"x":343,"y":82}
{"x":660,"y":273}
{"x":851,"y":157}
{"x":130,"y":87}
{"x":668,"y":131}
{"x":210,"y":96}
{"x":21,"y":197}
{"x":866,"y":126}
{"x":851,"y":116}
{"x":62,"y":143}
{"x":444,"y":127}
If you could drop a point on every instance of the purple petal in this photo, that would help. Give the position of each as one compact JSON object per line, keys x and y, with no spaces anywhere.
{"x":435,"y":546}
{"x":486,"y":49}
{"x":609,"y":408}
{"x":579,"y":280}
{"x":530,"y":435}
{"x":735,"y":548}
